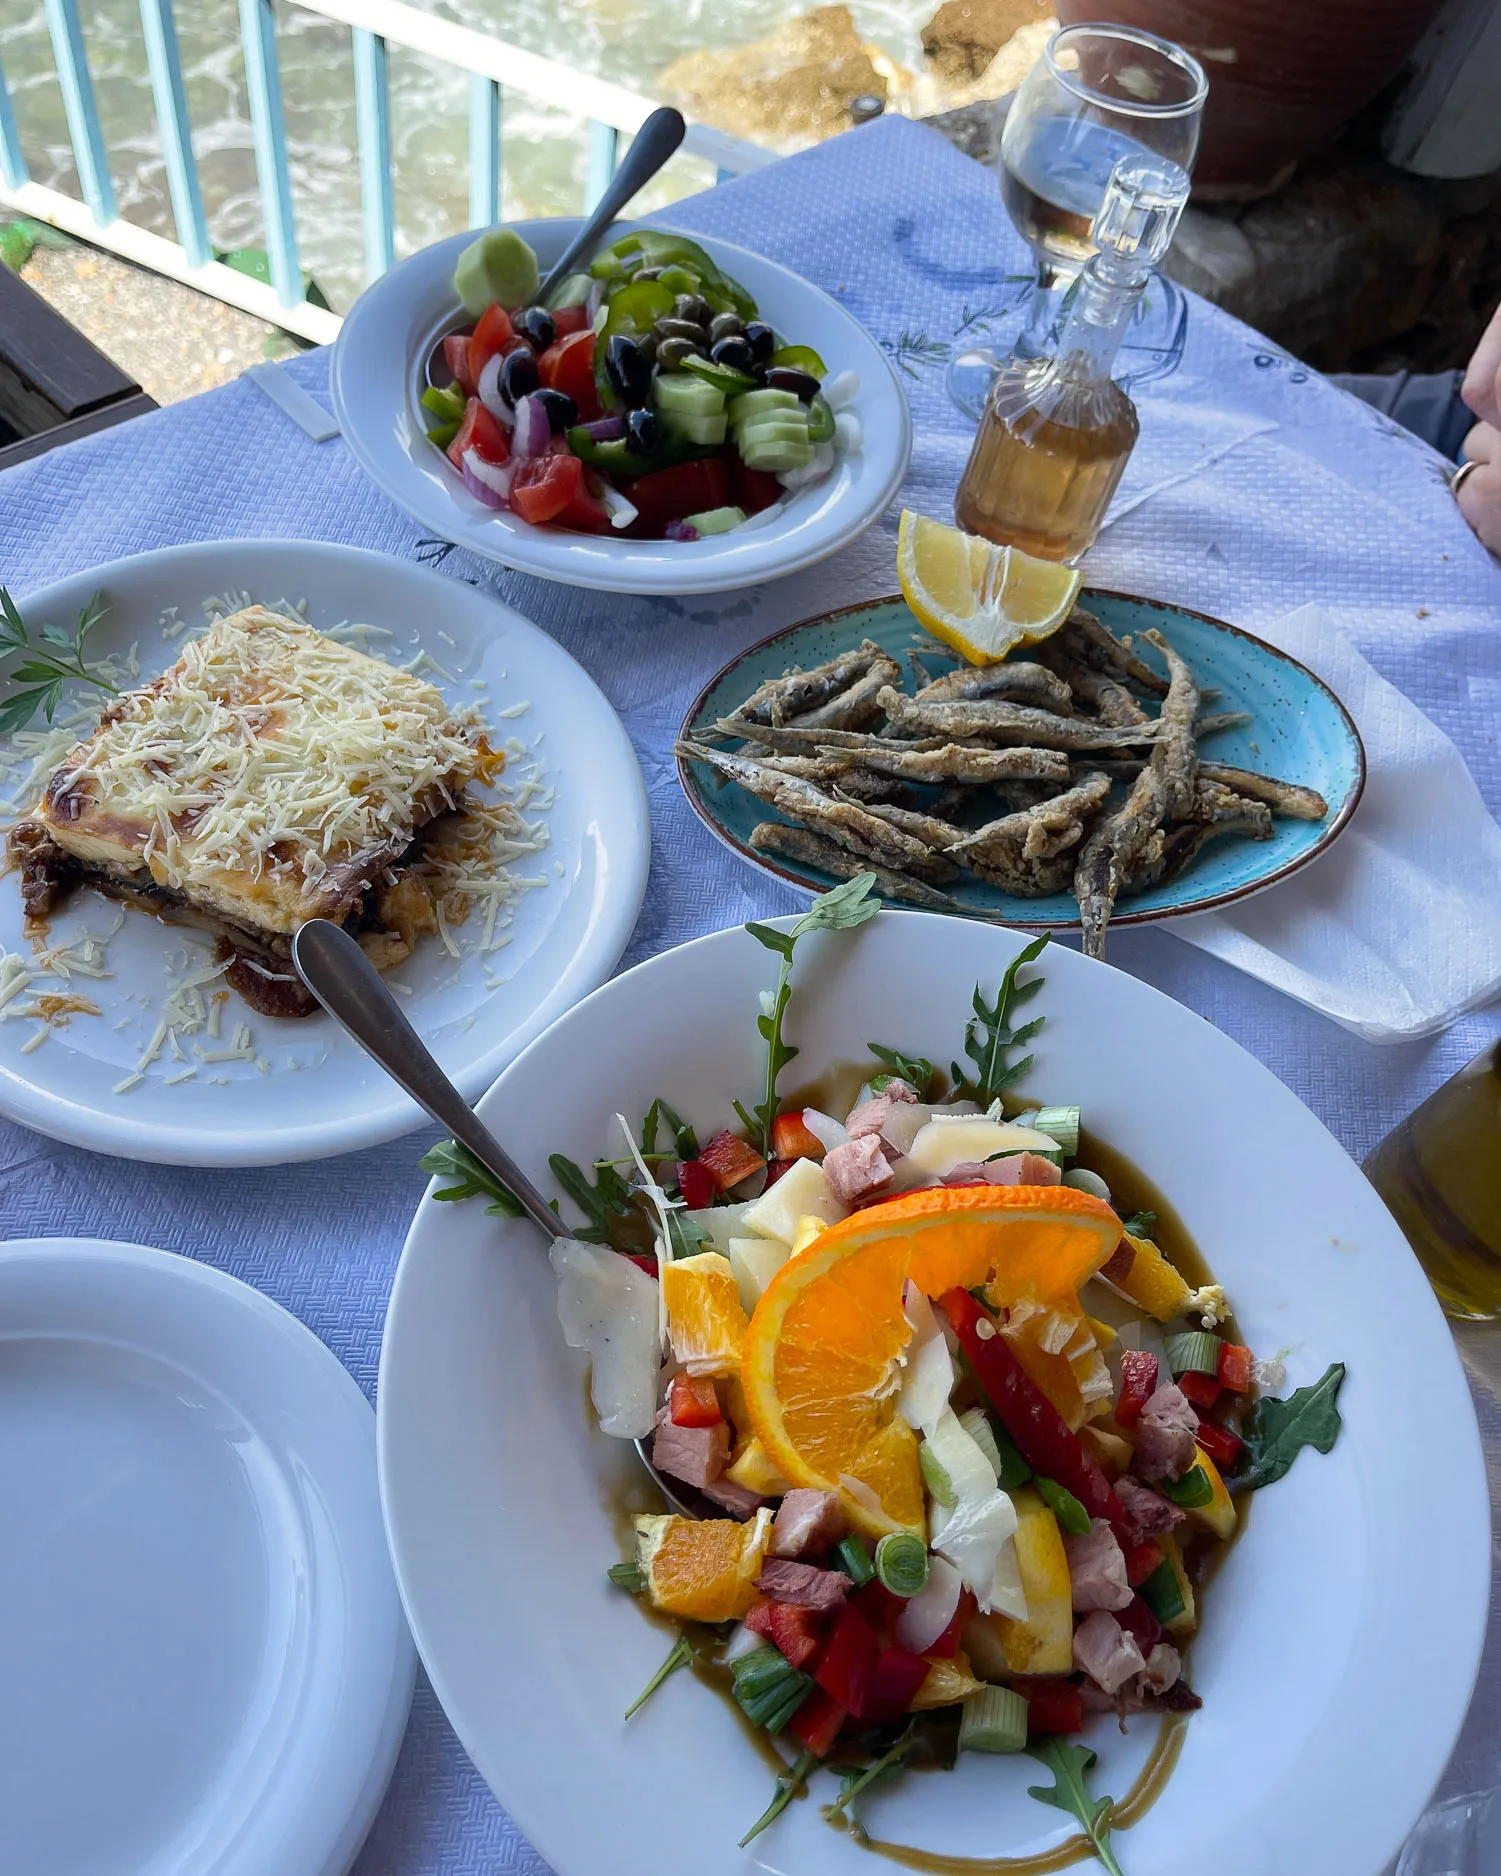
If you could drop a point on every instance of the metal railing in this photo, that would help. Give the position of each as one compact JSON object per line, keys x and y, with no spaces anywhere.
{"x":493,"y":65}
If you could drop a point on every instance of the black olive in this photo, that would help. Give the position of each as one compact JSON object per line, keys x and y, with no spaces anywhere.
{"x":735,"y":353}
{"x":693,"y":306}
{"x":562,"y":412}
{"x":628,"y":371}
{"x":762,"y":340}
{"x":643,"y":433}
{"x":537,"y":326}
{"x":646,"y":344}
{"x":518,"y":374}
{"x":788,"y":378}
{"x":726,"y":326}
{"x":682,"y":329}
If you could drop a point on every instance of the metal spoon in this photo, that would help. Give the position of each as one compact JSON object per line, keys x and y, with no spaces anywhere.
{"x":349,"y":987}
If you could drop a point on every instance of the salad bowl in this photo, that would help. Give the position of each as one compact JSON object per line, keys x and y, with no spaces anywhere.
{"x":1322,"y":1731}
{"x":379,"y":374}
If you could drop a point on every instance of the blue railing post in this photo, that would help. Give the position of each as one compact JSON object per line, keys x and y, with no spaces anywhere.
{"x":12,"y":163}
{"x":177,"y":137}
{"x":604,"y":149}
{"x":372,"y":100}
{"x":484,"y":151}
{"x":263,"y":78}
{"x":82,"y":113}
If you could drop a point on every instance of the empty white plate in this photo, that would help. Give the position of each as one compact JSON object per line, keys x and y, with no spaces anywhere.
{"x":205,"y":1663}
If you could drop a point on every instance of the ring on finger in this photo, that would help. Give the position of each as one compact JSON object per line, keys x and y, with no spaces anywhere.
{"x":1457,"y":479}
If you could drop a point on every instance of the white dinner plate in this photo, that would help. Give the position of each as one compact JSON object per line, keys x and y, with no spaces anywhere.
{"x":205,"y":1665}
{"x":317,"y":1094}
{"x":377,"y":381}
{"x":1340,"y":1639}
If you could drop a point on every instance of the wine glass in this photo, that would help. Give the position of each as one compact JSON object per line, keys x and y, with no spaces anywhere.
{"x":1096,"y":94}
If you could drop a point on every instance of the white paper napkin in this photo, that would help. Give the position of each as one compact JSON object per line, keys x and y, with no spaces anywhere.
{"x":1396,"y":930}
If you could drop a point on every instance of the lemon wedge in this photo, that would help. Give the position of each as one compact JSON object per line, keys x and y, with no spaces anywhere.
{"x":982,"y":599}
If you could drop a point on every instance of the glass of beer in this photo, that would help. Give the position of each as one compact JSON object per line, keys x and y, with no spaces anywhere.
{"x":1440,"y":1175}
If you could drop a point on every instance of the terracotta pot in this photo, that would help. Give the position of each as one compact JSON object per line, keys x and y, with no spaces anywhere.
{"x":1284,"y":75}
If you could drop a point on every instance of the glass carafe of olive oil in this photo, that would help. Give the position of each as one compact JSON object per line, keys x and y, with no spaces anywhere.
{"x":1056,"y":432}
{"x":1440,"y":1174}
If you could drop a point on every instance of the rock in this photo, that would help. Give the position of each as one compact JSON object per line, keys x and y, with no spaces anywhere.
{"x":963,"y":36}
{"x":1001,"y":76}
{"x":789,"y":89}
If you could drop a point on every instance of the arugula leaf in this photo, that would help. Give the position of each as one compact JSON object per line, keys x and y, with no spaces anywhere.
{"x":988,"y":1034}
{"x":916,"y":1070}
{"x":684,"y":1139}
{"x":1276,"y":1431}
{"x":1068,"y":1792}
{"x":449,"y":1160}
{"x":788,"y":1786}
{"x":845,"y":906}
{"x":53,"y":659}
{"x":684,"y":1238}
{"x":861,"y":1779}
{"x":681,"y":1653}
{"x":605,"y":1202}
{"x":1140,"y":1224}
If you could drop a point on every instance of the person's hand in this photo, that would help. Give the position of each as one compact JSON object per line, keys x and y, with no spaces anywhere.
{"x":1479,"y":494}
{"x":1481,"y":389}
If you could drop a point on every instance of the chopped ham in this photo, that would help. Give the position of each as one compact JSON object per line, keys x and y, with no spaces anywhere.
{"x":739,"y":1500}
{"x":696,"y":1455}
{"x":1106,"y":1653}
{"x":1150,"y":1513}
{"x":1165,"y":1444}
{"x":1022,"y":1169}
{"x":1164,"y":1665}
{"x":857,"y":1169}
{"x":871,"y":1116}
{"x":1097,"y":1568}
{"x":802,"y":1584}
{"x":807,"y":1524}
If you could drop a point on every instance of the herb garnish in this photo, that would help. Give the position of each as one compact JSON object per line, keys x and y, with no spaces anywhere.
{"x":1140,"y":1224}
{"x":606,"y":1203}
{"x":788,"y":1786}
{"x":916,"y":1070}
{"x":860,"y":1779}
{"x":681,"y":1653}
{"x":449,"y":1160}
{"x":1276,"y":1431}
{"x":988,"y":1034}
{"x":684,"y":1139}
{"x":627,"y":1576}
{"x":1068,"y":1792}
{"x":845,"y":906}
{"x":52,"y":660}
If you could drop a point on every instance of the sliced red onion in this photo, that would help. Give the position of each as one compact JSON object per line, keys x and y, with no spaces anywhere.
{"x":679,"y":531}
{"x":606,"y":429}
{"x":487,"y":481}
{"x":621,"y":512}
{"x":532,"y":427}
{"x":827,"y":1131}
{"x":928,"y":1613}
{"x":488,"y":391}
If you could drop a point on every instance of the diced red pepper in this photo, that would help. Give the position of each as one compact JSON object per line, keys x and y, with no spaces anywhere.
{"x":880,"y":1608}
{"x":480,"y":432}
{"x":1141,"y":1561}
{"x":776,"y":1167}
{"x":1202,"y":1389}
{"x":692,"y":1402}
{"x":568,"y":319}
{"x":1220,"y":1443}
{"x":790,"y":1139}
{"x":1043,"y":1437}
{"x":730,"y":1160}
{"x":493,"y":334}
{"x":1138,"y":1384}
{"x":1137,"y":1619}
{"x":817,"y":1722}
{"x":758,"y":1616}
{"x":1052,"y":1707}
{"x":696,"y":1183}
{"x":947,"y":1644}
{"x":1236,"y":1365}
{"x":894,"y":1681}
{"x":456,"y":351}
{"x":848,"y":1660}
{"x":643,"y":1261}
{"x":797,"y":1632}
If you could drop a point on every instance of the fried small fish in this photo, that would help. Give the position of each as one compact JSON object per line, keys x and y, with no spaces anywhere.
{"x":1218,"y":806}
{"x":1111,"y":702}
{"x":973,"y":767}
{"x":810,"y":849}
{"x":1176,"y":755}
{"x":1026,"y":879}
{"x":1288,"y":799}
{"x":1023,"y":682}
{"x":854,"y":707}
{"x":1223,"y":720}
{"x":932,"y":832}
{"x":1094,"y":644}
{"x":790,"y":740}
{"x":1040,"y":832}
{"x":1112,"y":850}
{"x":796,"y":691}
{"x":999,"y":721}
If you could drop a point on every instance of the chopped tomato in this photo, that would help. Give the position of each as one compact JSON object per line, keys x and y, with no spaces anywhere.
{"x":493,"y":334}
{"x":692,"y":1402}
{"x":817,"y":1722}
{"x":568,"y":366}
{"x":728,"y":1158}
{"x":1141,"y":1561}
{"x":790,"y":1139}
{"x":456,"y":351}
{"x":848,"y":1661}
{"x":1202,"y":1389}
{"x":1053,"y":1707}
{"x":696,"y":1183}
{"x":480,"y":432}
{"x":688,"y":488}
{"x":1235,"y":1368}
{"x":543,"y":486}
{"x":1138,"y":1384}
{"x":754,"y":489}
{"x":1220,"y":1443}
{"x":947,"y":1644}
{"x":570,"y":319}
{"x":585,"y":511}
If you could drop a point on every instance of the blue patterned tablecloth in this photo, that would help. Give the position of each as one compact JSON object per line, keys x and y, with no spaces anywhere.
{"x":1256,"y":487}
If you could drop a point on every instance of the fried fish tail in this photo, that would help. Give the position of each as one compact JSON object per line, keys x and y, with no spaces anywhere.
{"x":810,"y":849}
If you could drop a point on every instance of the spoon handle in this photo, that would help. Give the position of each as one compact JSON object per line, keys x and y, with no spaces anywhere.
{"x":349,"y":987}
{"x":650,"y":148}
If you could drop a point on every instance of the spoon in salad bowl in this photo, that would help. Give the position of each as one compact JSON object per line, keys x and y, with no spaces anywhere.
{"x":337,"y":972}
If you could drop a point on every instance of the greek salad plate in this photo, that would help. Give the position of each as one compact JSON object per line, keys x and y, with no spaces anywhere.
{"x":117,"y":1029}
{"x":379,"y":375}
{"x":1318,"y":1740}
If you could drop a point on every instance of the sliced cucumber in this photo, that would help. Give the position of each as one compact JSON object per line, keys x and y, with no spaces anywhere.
{"x":820,"y":421}
{"x":769,"y":430}
{"x":692,"y":428}
{"x":681,"y":393}
{"x":716,"y":520}
{"x":776,"y":458}
{"x":757,"y":403}
{"x":572,"y":291}
{"x":723,"y":377}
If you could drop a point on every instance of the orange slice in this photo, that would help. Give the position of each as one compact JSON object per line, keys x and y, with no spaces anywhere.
{"x":1043,"y":1242}
{"x":705,"y":1317}
{"x":704,"y":1570}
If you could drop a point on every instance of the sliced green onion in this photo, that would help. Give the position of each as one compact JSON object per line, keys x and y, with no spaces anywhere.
{"x":787,"y":1788}
{"x":1191,"y":1491}
{"x":1083,"y":1180}
{"x":627,"y":1576}
{"x":1014,"y":1469}
{"x":1060,"y":1124}
{"x":902,"y":1563}
{"x":1196,"y":1352}
{"x":935,"y":1477}
{"x":1163,"y":1594}
{"x":768,"y":1689}
{"x":995,"y":1720}
{"x":851,"y":1556}
{"x":680,"y":1654}
{"x":976,"y":1423}
{"x":1071,"y":1515}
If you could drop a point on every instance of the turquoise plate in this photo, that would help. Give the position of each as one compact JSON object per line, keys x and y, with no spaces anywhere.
{"x":1299,"y":731}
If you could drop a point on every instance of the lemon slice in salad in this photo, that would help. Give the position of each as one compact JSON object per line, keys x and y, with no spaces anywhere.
{"x":982,"y":599}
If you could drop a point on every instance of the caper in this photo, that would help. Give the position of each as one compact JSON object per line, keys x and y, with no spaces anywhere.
{"x":763,"y":341}
{"x":695,"y":307}
{"x":519,"y":376}
{"x":682,"y":329}
{"x":788,"y":378}
{"x":626,"y":369}
{"x":643,"y":433}
{"x":671,"y":352}
{"x":725,"y":326}
{"x":537,"y":326}
{"x":734,"y":352}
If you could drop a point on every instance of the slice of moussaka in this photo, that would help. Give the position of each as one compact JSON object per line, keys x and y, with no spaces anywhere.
{"x":272,"y":775}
